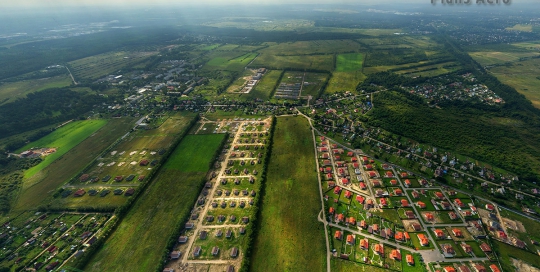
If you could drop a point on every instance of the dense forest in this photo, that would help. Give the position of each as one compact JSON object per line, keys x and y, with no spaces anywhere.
{"x":44,"y":108}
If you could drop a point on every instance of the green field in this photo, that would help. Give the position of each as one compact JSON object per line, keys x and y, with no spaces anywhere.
{"x":311,"y":47}
{"x":344,"y":81}
{"x":157,"y":213}
{"x":104,"y":64}
{"x":226,"y":62}
{"x":37,"y":188}
{"x":523,"y":76}
{"x":63,"y":139}
{"x":349,"y":62}
{"x":13,"y":90}
{"x":287,"y":234}
{"x":316,"y":62}
{"x":347,"y":266}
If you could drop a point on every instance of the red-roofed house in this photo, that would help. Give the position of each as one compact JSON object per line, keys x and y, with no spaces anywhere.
{"x":415,"y":194}
{"x":429,"y":216}
{"x":338,"y":235}
{"x":410,"y":259}
{"x":331,"y":210}
{"x":350,"y":239}
{"x":398,"y":192}
{"x":485,"y":247}
{"x":439,"y":233}
{"x":389,"y":174}
{"x":395,"y":255}
{"x":407,"y":183}
{"x":337,"y":190}
{"x":490,"y":207}
{"x":363,"y":186}
{"x":344,"y":181}
{"x":352,"y":220}
{"x":449,"y":269}
{"x":379,"y":249}
{"x":360,"y":199}
{"x":372,"y":174}
{"x":384,"y":203}
{"x":393,"y":182}
{"x":479,"y":268}
{"x":364,"y":243}
{"x":439,"y":195}
{"x":399,"y":236}
{"x":404,"y":203}
{"x":369,"y":167}
{"x":467,"y":248}
{"x":348,"y":194}
{"x":407,"y":236}
{"x":457,"y":232}
{"x":494,"y":268}
{"x":421,"y":204}
{"x":423,"y":239}
{"x":340,"y":218}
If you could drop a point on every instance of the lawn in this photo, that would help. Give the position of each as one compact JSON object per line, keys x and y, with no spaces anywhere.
{"x":63,"y":139}
{"x":155,"y":215}
{"x":41,"y":185}
{"x":290,"y":205}
{"x":349,"y":62}
{"x":523,"y":76}
{"x":13,"y":90}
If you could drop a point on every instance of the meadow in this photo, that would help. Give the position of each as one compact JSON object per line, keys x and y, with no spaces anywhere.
{"x":344,"y":81}
{"x":230,"y":61}
{"x":311,"y":47}
{"x":63,"y":139}
{"x":290,"y":205}
{"x":104,"y":64}
{"x":522,"y":76}
{"x":13,"y":90}
{"x":312,"y":62}
{"x":349,"y":62}
{"x":158,"y":211}
{"x":42,"y":185}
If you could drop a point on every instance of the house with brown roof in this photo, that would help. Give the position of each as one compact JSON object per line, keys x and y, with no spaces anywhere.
{"x":398,"y":192}
{"x":389,"y":174}
{"x":485,"y":247}
{"x":439,"y":195}
{"x":379,"y":249}
{"x":463,"y":268}
{"x":175,"y":255}
{"x":416,"y":226}
{"x":404,"y":203}
{"x":429,"y":216}
{"x":234,"y":252}
{"x":363,"y":224}
{"x":340,"y":218}
{"x":369,"y":204}
{"x":197,"y":251}
{"x":351,"y":220}
{"x":415,"y":194}
{"x":479,"y":268}
{"x":393,"y":182}
{"x":215,"y":251}
{"x":448,"y":249}
{"x":457,"y":232}
{"x":453,"y":215}
{"x":182,"y":239}
{"x":410,"y":214}
{"x":467,"y":248}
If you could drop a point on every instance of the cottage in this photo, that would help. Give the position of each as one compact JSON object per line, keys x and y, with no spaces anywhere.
{"x":448,"y":249}
{"x":379,"y":249}
{"x":182,"y":239}
{"x":363,"y":186}
{"x":494,"y":268}
{"x":364,"y":244}
{"x":345,"y":181}
{"x":395,"y":255}
{"x":467,"y":248}
{"x":393,"y":182}
{"x":416,"y":226}
{"x":398,"y":192}
{"x":363,"y":224}
{"x":338,"y":235}
{"x":439,"y":233}
{"x":439,"y":195}
{"x":410,"y":214}
{"x":360,"y":199}
{"x":175,"y":255}
{"x":463,"y":268}
{"x":410,"y":259}
{"x":234,"y":252}
{"x":453,"y":215}
{"x":203,"y":234}
{"x":479,"y":268}
{"x":457,"y":232}
{"x":423,"y":239}
{"x":404,"y":203}
{"x":348,"y":194}
{"x":376,"y":183}
{"x":415,"y":194}
{"x":485,"y":248}
{"x":399,"y":236}
{"x":350,"y":239}
{"x":384,"y":202}
{"x":79,"y":193}
{"x":421,"y":204}
{"x":228,"y":234}
{"x":215,"y":251}
{"x":429,"y":216}
{"x":490,"y":207}
{"x":197,"y":251}
{"x":407,"y":183}
{"x":449,"y":269}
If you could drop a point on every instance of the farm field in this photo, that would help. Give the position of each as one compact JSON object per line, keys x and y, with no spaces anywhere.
{"x":344,"y":81}
{"x":157,"y":213}
{"x":40,"y":186}
{"x":104,"y":64}
{"x":349,"y":62}
{"x":230,"y":61}
{"x":63,"y":139}
{"x":523,"y":76}
{"x":290,"y":185}
{"x":311,"y":47}
{"x":315,"y":62}
{"x":13,"y":90}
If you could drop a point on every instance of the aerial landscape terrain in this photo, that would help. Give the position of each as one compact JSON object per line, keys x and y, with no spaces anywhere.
{"x":274,"y":136}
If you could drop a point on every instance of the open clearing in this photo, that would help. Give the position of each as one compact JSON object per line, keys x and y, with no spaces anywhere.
{"x":104,"y":64}
{"x":315,"y":62}
{"x":286,"y":234}
{"x":349,"y":62}
{"x":157,"y":213}
{"x":41,"y":185}
{"x":13,"y":90}
{"x":264,"y":88}
{"x":63,"y":139}
{"x":344,"y":81}
{"x":523,"y":76}
{"x":230,"y":61}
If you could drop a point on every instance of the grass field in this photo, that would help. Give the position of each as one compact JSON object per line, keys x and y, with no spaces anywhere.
{"x":104,"y":64}
{"x":344,"y":81}
{"x":13,"y":90}
{"x":349,"y":62}
{"x":311,"y":47}
{"x":155,"y":215}
{"x":347,"y":266}
{"x":37,"y":188}
{"x":234,"y":63}
{"x":63,"y":139}
{"x":317,"y":62}
{"x":520,"y":27}
{"x":288,"y":225}
{"x":523,"y":76}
